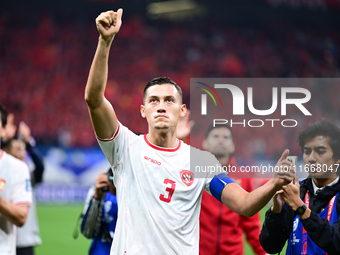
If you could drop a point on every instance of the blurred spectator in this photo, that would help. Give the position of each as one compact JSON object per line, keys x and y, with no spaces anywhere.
{"x":28,"y":235}
{"x":221,"y":229}
{"x":15,"y":194}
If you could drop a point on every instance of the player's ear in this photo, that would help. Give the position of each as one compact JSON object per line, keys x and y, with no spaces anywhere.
{"x":205,"y":144}
{"x":183,"y":110}
{"x":142,"y":111}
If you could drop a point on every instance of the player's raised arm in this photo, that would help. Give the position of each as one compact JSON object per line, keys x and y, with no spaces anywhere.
{"x":244,"y":203}
{"x":103,"y":117}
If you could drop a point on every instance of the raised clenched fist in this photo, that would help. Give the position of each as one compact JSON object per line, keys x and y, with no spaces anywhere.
{"x":108,"y":24}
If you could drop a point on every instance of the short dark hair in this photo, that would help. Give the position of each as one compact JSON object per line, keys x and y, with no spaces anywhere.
{"x":211,"y":127}
{"x":323,"y":128}
{"x":3,"y":115}
{"x":161,"y":81}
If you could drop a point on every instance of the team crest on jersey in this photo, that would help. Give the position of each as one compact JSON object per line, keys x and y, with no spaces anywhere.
{"x":187,"y":177}
{"x":2,"y":184}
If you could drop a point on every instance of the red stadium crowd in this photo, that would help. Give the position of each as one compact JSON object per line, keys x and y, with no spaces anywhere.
{"x":45,"y":62}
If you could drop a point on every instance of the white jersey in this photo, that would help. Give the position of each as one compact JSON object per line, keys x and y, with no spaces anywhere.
{"x":158,"y":196}
{"x":15,"y":187}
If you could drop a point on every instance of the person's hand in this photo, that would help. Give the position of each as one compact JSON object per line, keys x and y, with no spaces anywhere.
{"x":11,"y":128}
{"x":278,"y":202}
{"x":25,"y":131}
{"x":184,"y":126}
{"x":284,"y":171}
{"x":291,"y":194}
{"x":102,"y":181}
{"x":108,"y":24}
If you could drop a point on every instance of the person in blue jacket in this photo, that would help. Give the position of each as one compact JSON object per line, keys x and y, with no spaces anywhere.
{"x":99,"y":215}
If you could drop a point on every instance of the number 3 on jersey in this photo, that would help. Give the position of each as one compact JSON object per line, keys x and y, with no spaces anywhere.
{"x":168,"y":189}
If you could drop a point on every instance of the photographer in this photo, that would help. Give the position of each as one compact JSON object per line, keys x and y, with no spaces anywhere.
{"x":100,"y":214}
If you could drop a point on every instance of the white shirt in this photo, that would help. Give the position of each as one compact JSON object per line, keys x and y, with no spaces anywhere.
{"x":15,"y":187}
{"x":28,"y":235}
{"x":158,"y":196}
{"x":316,"y":189}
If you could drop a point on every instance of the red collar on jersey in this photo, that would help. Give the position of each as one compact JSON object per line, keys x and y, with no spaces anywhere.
{"x":162,"y":148}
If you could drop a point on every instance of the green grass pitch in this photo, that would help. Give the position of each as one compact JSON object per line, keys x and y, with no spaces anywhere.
{"x":57,"y":223}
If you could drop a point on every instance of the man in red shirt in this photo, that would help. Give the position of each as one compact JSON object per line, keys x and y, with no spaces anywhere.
{"x":221,"y":230}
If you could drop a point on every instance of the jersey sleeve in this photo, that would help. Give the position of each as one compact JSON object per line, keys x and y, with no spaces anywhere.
{"x":217,"y":178}
{"x":115,"y":147}
{"x":22,"y":190}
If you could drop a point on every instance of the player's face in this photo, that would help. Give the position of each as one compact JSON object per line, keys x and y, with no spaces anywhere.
{"x":318,"y":157}
{"x":219,"y":142}
{"x":163,"y":107}
{"x":17,"y":149}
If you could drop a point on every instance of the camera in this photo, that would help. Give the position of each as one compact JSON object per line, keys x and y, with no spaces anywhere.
{"x":109,"y":174}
